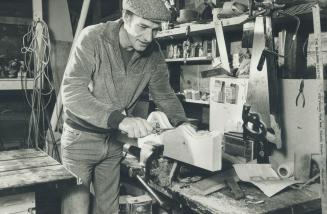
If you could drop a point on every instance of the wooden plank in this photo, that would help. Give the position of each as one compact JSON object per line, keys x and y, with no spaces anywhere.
{"x":27,"y":163}
{"x":20,"y":154}
{"x":214,"y":182}
{"x":56,"y":115}
{"x":34,"y":176}
{"x":16,"y":84}
{"x":62,"y":38}
{"x":197,"y":101}
{"x":221,"y":41}
{"x":15,"y":20}
{"x":200,"y":28}
{"x":38,"y":56}
{"x":190,"y":59}
{"x":321,"y":107}
{"x":59,"y":21}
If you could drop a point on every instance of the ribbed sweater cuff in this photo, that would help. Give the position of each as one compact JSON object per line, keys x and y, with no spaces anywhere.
{"x":115,"y":118}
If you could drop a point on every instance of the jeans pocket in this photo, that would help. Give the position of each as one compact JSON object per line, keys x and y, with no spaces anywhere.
{"x":69,"y":136}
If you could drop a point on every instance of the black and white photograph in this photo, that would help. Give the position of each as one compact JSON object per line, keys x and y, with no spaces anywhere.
{"x":163,"y":106}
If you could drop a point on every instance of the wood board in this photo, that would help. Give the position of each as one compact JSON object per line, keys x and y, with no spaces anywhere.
{"x":29,"y":167}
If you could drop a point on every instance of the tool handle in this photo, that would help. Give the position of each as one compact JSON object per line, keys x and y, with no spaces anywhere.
{"x":149,"y":189}
{"x":261,"y":60}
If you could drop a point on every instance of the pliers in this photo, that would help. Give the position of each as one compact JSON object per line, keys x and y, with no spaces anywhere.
{"x":300,"y":94}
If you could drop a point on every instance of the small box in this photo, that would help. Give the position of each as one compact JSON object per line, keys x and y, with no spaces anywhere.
{"x":140,"y":204}
{"x":235,"y":145}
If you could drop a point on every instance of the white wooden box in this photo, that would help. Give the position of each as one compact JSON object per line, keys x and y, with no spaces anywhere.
{"x":200,"y":149}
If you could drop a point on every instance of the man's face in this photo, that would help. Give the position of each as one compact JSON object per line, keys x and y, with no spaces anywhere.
{"x":140,"y":31}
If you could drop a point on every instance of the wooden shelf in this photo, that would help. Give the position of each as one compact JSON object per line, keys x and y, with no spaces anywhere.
{"x":197,"y":101}
{"x":229,"y":24}
{"x":190,"y":59}
{"x":15,"y":20}
{"x":16,"y":84}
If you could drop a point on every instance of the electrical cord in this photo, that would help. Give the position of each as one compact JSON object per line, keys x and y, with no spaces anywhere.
{"x":36,"y":49}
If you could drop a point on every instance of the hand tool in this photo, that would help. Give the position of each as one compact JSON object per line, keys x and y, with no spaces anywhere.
{"x":300,"y":94}
{"x":258,"y":132}
{"x":216,"y":72}
{"x":235,"y":188}
{"x":142,"y":172}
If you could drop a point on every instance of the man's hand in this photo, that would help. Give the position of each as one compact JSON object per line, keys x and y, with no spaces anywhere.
{"x":135,"y":127}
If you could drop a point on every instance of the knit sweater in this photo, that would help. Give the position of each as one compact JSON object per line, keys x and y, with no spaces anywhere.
{"x":97,"y":87}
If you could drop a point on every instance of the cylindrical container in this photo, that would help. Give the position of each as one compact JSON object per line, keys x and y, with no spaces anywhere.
{"x":286,"y":170}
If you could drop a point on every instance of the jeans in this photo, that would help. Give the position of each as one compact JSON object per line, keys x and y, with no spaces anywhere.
{"x":93,"y":158}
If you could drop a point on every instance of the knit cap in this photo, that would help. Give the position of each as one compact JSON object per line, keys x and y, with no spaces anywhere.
{"x":154,"y":10}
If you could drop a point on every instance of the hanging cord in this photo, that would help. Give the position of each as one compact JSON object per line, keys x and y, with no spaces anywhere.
{"x":36,"y":49}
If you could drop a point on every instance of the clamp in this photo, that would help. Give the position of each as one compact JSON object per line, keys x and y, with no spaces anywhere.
{"x":258,"y":132}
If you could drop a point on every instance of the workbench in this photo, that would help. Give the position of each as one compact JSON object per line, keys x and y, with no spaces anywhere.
{"x":289,"y":200}
{"x":32,"y":173}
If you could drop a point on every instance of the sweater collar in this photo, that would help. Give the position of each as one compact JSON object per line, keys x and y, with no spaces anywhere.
{"x":111,"y":34}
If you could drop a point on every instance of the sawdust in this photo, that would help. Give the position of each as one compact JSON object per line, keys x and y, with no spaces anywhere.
{"x":219,"y":203}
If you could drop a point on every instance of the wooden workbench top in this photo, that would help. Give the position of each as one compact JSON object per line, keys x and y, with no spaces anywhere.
{"x":222,"y":202}
{"x":29,"y":167}
{"x":287,"y":201}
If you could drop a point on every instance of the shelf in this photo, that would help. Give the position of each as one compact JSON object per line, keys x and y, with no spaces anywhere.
{"x":197,"y":101}
{"x":229,"y":24}
{"x":190,"y":59}
{"x":15,"y":20}
{"x":16,"y":84}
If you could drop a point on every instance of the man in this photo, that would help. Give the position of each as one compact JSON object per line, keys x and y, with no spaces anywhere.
{"x":110,"y":65}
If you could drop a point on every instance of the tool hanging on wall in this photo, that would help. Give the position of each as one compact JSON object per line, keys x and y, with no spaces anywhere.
{"x":300,"y":95}
{"x":263,"y":87}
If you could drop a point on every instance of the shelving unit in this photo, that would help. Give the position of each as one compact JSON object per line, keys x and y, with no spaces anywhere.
{"x":195,"y":29}
{"x":197,"y":101}
{"x":16,"y":84}
{"x":190,"y":59}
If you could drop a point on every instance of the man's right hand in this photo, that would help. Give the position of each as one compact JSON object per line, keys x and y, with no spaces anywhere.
{"x":135,"y":127}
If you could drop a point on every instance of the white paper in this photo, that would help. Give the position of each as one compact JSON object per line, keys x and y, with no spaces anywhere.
{"x":263,"y":176}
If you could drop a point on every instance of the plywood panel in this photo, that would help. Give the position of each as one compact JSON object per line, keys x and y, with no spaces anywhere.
{"x":300,"y":125}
